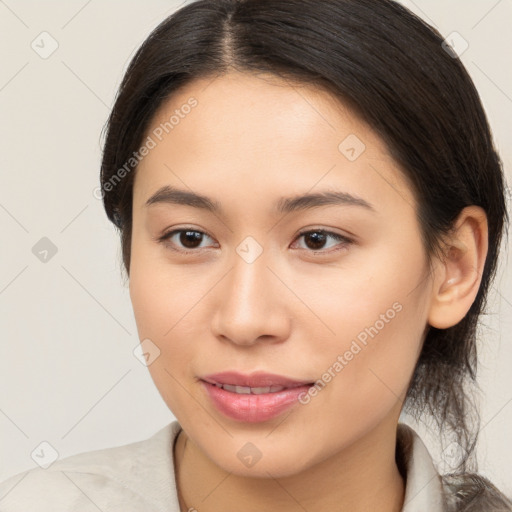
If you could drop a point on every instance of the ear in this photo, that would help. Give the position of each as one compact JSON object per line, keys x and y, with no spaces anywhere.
{"x":458,"y":275}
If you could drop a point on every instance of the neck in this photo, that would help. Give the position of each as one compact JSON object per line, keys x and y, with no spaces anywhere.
{"x":362,"y":477}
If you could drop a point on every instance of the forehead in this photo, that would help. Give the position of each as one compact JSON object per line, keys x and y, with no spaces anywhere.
{"x":262,"y":130}
{"x":260,"y":107}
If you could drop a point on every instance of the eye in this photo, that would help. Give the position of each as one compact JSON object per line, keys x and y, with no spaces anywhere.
{"x":188,"y":241}
{"x":316,"y":239}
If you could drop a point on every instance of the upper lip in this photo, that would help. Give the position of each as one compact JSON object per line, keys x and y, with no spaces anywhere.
{"x":253,"y":380}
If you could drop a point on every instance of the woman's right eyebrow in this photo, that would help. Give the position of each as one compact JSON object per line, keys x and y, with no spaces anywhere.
{"x":172,"y":195}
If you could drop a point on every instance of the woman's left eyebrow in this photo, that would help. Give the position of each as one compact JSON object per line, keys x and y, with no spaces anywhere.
{"x":325,"y":198}
{"x":172,"y":195}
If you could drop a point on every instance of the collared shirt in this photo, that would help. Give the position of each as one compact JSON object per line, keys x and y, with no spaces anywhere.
{"x":140,"y":477}
{"x":424,"y":490}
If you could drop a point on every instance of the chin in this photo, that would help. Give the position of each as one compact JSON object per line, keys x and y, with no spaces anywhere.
{"x":256,"y":459}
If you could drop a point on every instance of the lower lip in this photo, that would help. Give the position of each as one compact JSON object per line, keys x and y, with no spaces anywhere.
{"x":253,"y":408}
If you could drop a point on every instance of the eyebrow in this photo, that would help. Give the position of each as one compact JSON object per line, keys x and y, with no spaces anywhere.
{"x":171,"y":195}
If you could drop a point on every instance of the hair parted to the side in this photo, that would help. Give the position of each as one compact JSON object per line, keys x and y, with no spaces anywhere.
{"x":389,"y":66}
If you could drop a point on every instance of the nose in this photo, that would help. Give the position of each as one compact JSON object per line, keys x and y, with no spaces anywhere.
{"x":252,"y":304}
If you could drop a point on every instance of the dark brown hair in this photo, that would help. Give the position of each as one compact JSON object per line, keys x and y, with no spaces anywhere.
{"x":393,"y":70}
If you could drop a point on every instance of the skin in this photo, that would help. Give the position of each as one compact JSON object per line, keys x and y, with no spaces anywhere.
{"x":251,"y":140}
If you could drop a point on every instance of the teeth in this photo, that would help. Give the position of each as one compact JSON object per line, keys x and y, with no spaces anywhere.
{"x":259,"y":391}
{"x":237,"y":389}
{"x":267,"y":389}
{"x":245,"y":390}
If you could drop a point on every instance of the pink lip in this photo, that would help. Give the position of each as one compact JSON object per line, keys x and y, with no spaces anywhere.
{"x":253,"y":408}
{"x":254,"y":380}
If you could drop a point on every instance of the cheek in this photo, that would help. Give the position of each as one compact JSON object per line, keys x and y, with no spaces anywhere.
{"x":159,"y":292}
{"x":160,"y":314}
{"x":377,"y":315}
{"x":166,"y":301}
{"x":163,"y":310}
{"x":372,"y":294}
{"x":364,"y":375}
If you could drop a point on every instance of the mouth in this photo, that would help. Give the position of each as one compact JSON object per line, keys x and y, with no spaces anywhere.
{"x":246,"y":390}
{"x":255,"y":383}
{"x":253,"y":398}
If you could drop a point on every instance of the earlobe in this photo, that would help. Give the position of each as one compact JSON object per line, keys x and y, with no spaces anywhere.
{"x":459,"y":273}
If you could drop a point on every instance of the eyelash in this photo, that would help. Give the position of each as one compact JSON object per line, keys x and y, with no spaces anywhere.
{"x":345,"y":241}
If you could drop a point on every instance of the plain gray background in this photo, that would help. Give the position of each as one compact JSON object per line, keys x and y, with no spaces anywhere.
{"x":68,"y":375}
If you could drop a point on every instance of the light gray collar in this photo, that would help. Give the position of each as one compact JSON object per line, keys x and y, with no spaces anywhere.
{"x":424,"y":488}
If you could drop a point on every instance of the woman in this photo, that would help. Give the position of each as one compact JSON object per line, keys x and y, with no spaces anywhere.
{"x":310,"y":208}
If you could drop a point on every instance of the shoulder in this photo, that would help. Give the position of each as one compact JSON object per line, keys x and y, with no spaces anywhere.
{"x":135,"y":476}
{"x":472,"y":492}
{"x":463,"y":492}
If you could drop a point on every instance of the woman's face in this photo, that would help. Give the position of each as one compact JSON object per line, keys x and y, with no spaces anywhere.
{"x":242,"y":289}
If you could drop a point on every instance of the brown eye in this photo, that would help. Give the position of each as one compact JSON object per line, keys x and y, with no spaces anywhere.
{"x":189,"y":239}
{"x":316,"y":239}
{"x":184,"y":240}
